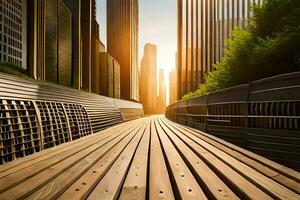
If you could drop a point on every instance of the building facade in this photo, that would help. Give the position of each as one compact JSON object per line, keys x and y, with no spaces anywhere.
{"x":203,"y":27}
{"x":173,"y":86}
{"x":101,"y":46}
{"x":148,"y":79}
{"x":75,"y":8}
{"x":13,"y":32}
{"x":50,"y":41}
{"x":87,"y":9}
{"x":109,"y":74}
{"x":122,"y":43}
{"x":64,"y":42}
{"x":95,"y":56}
{"x":162,"y":97}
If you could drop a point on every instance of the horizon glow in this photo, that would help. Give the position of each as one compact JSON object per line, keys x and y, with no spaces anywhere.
{"x":157,"y":25}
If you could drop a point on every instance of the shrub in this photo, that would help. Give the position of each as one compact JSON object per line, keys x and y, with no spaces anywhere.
{"x":10,"y":68}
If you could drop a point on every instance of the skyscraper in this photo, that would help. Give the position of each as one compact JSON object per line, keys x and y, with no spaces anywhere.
{"x":109,"y":75}
{"x":148,"y":79}
{"x":203,"y":27}
{"x":173,"y":86}
{"x":64,"y":43}
{"x":50,"y":41}
{"x":122,"y":43}
{"x":13,"y":32}
{"x":95,"y":56}
{"x":75,"y":8}
{"x":87,"y":9}
{"x":161,"y":102}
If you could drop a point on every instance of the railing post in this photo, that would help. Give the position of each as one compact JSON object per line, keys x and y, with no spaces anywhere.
{"x":247,"y":115}
{"x":67,"y":119}
{"x":40,"y":127}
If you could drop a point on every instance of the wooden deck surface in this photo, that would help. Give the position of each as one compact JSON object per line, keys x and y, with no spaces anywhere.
{"x":149,"y":158}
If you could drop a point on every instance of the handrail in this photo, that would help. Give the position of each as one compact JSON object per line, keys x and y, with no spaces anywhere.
{"x":253,"y":112}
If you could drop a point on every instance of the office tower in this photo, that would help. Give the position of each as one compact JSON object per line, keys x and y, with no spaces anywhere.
{"x":109,"y":74}
{"x":13,"y":34}
{"x":50,"y":41}
{"x":122,"y":43}
{"x":101,"y":46}
{"x":161,"y":102}
{"x":95,"y":56}
{"x":173,"y":86}
{"x":203,"y":27}
{"x":87,"y":9}
{"x":75,"y":8}
{"x":148,"y":79}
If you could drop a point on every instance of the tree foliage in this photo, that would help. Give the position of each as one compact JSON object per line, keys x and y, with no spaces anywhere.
{"x":269,"y":47}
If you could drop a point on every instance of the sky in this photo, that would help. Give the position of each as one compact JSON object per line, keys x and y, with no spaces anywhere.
{"x":157,"y":25}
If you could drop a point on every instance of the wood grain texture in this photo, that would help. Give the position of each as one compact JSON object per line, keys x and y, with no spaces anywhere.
{"x":148,"y":158}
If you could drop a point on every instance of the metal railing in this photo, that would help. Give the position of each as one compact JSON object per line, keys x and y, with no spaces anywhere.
{"x":263,"y":116}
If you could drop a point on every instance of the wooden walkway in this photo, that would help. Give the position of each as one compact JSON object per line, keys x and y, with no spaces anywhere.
{"x":149,"y":158}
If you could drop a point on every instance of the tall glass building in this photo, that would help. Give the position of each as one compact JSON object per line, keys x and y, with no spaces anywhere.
{"x":13,"y":32}
{"x":50,"y":41}
{"x":122,"y":43}
{"x":203,"y":27}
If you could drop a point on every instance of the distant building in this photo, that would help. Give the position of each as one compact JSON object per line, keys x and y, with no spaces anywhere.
{"x":161,"y":99}
{"x":87,"y":15}
{"x":173,"y":86}
{"x":122,"y":43}
{"x":109,"y":74}
{"x":64,"y":43}
{"x":95,"y":56}
{"x":203,"y":27}
{"x":13,"y":32}
{"x":148,"y":79}
{"x":75,"y":8}
{"x":50,"y":41}
{"x":101,"y":47}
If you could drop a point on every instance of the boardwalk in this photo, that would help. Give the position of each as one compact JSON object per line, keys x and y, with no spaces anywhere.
{"x":149,"y":158}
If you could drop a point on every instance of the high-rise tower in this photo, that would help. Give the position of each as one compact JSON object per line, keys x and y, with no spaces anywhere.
{"x":203,"y":27}
{"x":122,"y":43}
{"x":148,"y":79}
{"x":13,"y":35}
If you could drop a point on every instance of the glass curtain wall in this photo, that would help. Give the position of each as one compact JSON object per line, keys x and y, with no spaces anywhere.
{"x":203,"y":27}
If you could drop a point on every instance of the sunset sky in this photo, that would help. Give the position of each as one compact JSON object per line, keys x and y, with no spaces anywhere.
{"x":158,"y":25}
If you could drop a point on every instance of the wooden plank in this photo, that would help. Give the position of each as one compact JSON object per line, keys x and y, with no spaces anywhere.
{"x":186,"y":184}
{"x":275,"y":175}
{"x":135,"y":184}
{"x":109,"y":187}
{"x":241,"y":186}
{"x":47,"y":159}
{"x":28,"y":185}
{"x":159,"y":181}
{"x":17,"y":165}
{"x":215,"y":188}
{"x":85,"y":184}
{"x":119,"y":164}
{"x":285,"y":171}
{"x":266,"y":184}
{"x":77,"y":181}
